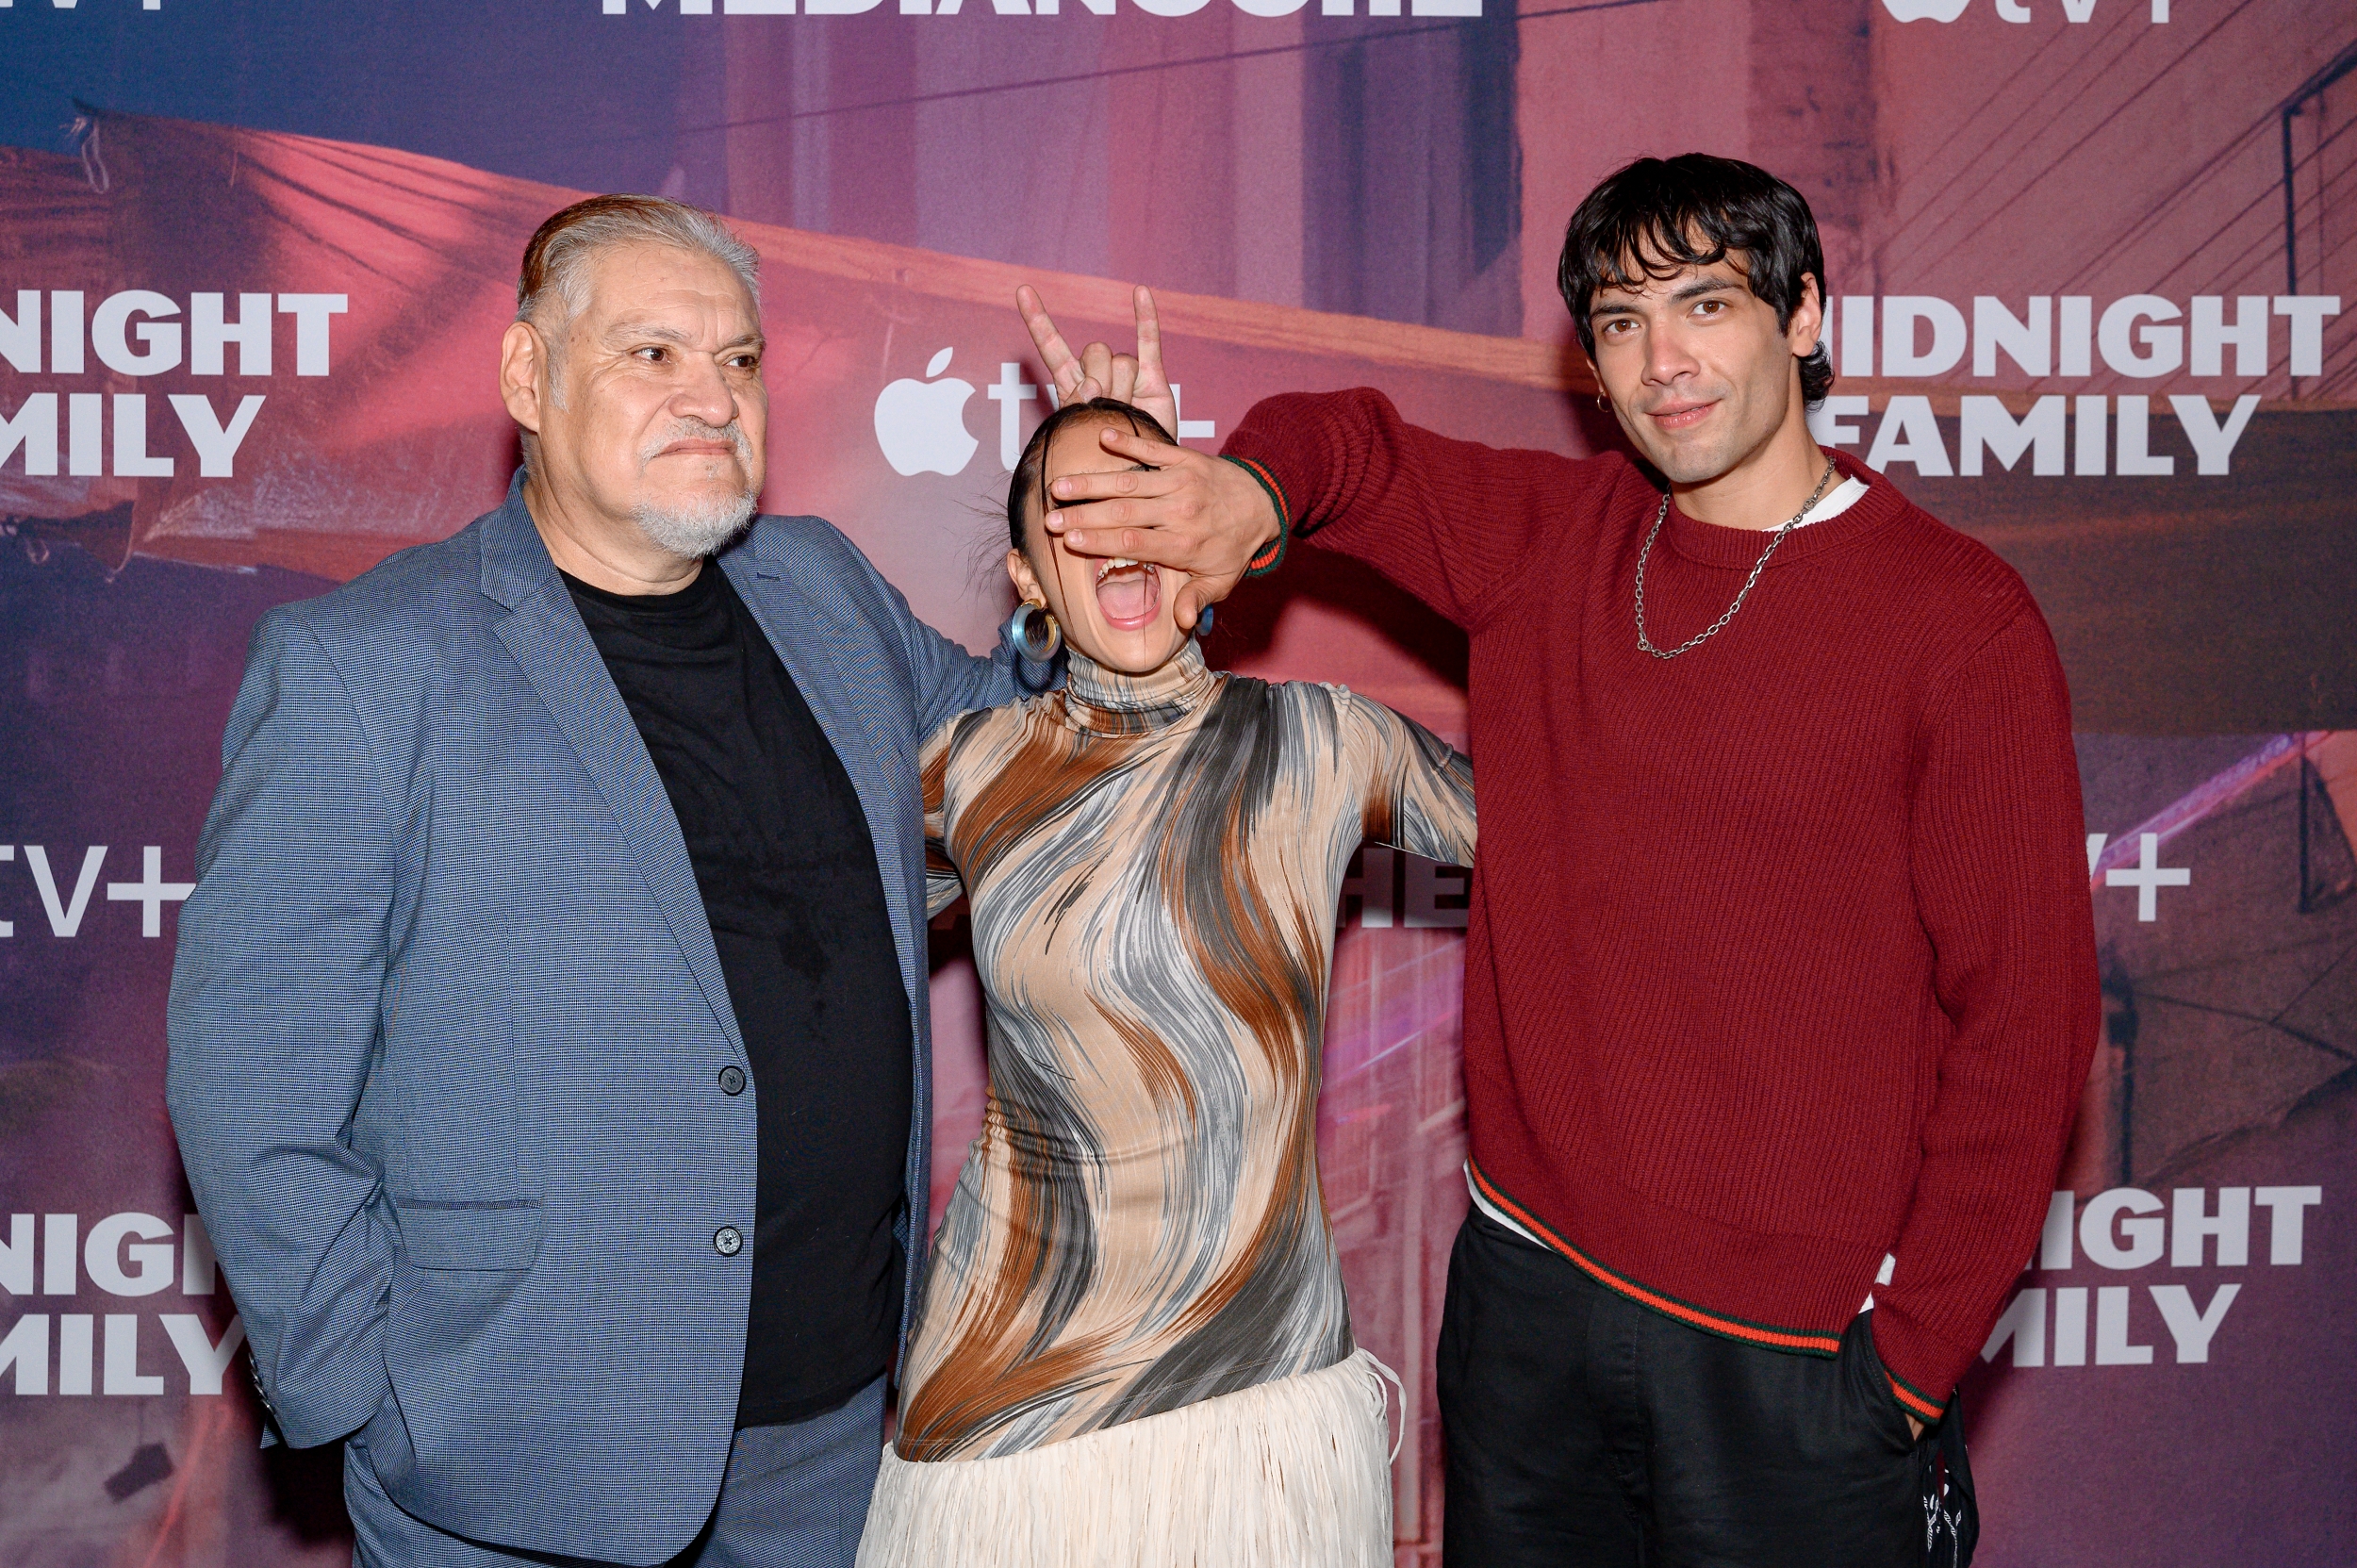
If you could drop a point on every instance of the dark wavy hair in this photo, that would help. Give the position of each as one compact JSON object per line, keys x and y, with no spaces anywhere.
{"x":1653,"y":218}
{"x":1029,"y":480}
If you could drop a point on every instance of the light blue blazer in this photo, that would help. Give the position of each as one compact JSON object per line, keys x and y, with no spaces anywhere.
{"x":447,"y":1028}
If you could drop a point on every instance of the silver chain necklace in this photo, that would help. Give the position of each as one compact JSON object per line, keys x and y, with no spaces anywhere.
{"x":1759,"y":566}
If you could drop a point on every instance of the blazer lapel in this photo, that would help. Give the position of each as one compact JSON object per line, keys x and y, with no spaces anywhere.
{"x":815,"y":656}
{"x":552,"y":647}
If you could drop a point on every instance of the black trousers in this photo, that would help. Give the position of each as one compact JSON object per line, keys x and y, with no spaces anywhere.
{"x":1583,"y":1428}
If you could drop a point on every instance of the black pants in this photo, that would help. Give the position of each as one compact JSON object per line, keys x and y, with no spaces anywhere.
{"x":1583,"y":1428}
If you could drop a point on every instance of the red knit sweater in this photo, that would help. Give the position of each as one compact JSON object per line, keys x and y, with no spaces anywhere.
{"x":1781,"y":957}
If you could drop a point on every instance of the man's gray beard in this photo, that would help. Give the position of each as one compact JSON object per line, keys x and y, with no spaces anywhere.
{"x":697,"y":531}
{"x":702,"y":528}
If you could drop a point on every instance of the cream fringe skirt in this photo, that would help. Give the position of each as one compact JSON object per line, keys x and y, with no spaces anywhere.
{"x":1291,"y":1474}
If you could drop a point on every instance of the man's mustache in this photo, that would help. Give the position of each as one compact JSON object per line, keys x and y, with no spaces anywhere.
{"x":697,"y":430}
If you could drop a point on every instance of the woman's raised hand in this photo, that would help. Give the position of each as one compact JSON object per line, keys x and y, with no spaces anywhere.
{"x":1096,"y":370}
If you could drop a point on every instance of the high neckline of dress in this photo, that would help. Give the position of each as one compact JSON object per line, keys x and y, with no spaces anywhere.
{"x":1106,"y":702}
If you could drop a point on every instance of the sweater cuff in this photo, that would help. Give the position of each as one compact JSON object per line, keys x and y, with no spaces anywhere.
{"x":1924,"y":1368}
{"x":1272,"y":554}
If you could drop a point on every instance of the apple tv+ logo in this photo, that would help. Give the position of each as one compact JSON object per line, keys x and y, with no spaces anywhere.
{"x":921,"y":424}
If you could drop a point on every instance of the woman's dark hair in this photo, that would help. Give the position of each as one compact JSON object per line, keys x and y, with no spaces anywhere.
{"x":1660,"y":216}
{"x":1030,"y":474}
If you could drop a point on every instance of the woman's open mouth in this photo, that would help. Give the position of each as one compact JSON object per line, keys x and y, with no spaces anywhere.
{"x":1128,"y":593}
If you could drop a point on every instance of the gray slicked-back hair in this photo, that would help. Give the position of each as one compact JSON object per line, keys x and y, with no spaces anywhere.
{"x":561,"y":248}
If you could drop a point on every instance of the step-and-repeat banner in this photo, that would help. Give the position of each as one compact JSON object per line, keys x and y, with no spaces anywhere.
{"x":2085,"y":262}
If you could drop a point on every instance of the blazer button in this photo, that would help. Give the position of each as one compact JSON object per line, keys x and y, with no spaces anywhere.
{"x":728,"y":1241}
{"x":731,"y":1079}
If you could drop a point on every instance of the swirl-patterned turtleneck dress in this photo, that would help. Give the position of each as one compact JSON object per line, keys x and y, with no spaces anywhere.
{"x":1154,"y":865}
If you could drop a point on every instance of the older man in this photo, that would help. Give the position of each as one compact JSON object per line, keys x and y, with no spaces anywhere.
{"x":549,"y":1048}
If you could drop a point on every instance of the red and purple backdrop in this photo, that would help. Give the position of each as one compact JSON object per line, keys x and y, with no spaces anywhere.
{"x":2087,"y":258}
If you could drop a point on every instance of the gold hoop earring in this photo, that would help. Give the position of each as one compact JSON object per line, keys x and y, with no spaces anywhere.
{"x":1032,"y":641}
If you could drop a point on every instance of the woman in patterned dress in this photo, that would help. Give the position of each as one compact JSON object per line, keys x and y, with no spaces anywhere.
{"x":1132,"y":1345}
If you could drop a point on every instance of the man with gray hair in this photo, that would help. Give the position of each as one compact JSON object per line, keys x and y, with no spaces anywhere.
{"x":549,"y":1048}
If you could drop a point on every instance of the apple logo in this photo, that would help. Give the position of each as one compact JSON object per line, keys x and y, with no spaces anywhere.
{"x":1915,"y":10}
{"x":921,"y":424}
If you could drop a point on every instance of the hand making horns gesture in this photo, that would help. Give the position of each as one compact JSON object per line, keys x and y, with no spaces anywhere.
{"x":1190,"y":512}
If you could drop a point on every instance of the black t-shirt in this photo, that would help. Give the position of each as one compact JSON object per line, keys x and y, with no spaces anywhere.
{"x":788,"y":870}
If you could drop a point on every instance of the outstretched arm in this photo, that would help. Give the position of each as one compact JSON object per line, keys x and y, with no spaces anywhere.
{"x":1453,"y":522}
{"x":1447,"y":519}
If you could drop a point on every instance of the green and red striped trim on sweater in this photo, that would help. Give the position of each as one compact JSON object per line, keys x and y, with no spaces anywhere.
{"x":1767,"y":1335}
{"x":1272,"y":554}
{"x":1774,"y":1338}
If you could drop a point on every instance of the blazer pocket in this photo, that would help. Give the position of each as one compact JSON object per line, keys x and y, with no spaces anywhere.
{"x":489,"y":1235}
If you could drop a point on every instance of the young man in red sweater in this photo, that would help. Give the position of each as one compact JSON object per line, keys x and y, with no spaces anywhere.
{"x":1780,"y":975}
